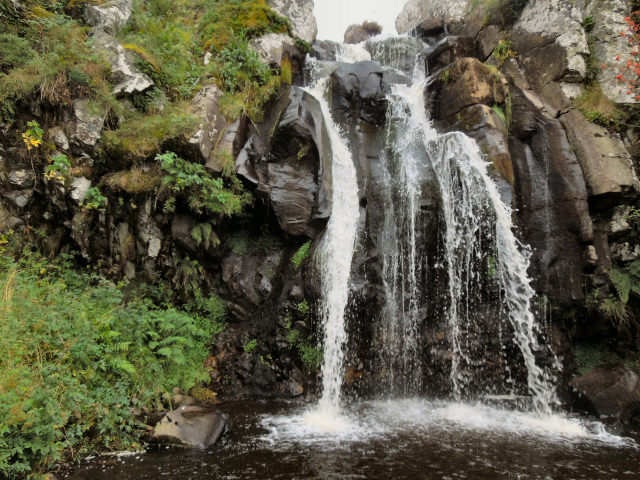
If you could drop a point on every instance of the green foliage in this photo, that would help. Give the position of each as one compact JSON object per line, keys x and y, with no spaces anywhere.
{"x":242,"y":242}
{"x":592,"y":355}
{"x":76,"y":362}
{"x":588,"y":23}
{"x":223,"y":20}
{"x":503,"y":52}
{"x":187,"y":277}
{"x":204,"y":236}
{"x":302,"y":45}
{"x":47,"y":54}
{"x":311,"y":354}
{"x":491,"y":267}
{"x":301,"y":255}
{"x":304,"y":308}
{"x":94,"y":200}
{"x":251,"y":346}
{"x":204,"y":193}
{"x":209,"y":312}
{"x":445,"y":76}
{"x":142,"y":134}
{"x":596,"y":107}
{"x":498,"y":111}
{"x":58,"y":169}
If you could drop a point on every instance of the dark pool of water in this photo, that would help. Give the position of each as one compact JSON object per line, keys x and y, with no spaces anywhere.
{"x":399,"y":440}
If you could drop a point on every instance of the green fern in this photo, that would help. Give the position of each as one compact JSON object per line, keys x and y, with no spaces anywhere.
{"x":204,"y":236}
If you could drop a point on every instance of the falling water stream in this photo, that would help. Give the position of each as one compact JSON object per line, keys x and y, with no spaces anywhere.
{"x":408,"y":438}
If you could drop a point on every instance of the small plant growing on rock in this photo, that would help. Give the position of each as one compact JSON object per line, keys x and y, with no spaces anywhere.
{"x":33,"y":136}
{"x":503,"y":52}
{"x":94,"y":200}
{"x":445,"y":76}
{"x":251,"y":346}
{"x":58,"y":169}
{"x":301,"y":255}
{"x":629,"y":68}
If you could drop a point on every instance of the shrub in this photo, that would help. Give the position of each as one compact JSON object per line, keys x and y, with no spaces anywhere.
{"x":204,"y":193}
{"x":94,"y":200}
{"x":76,"y":363}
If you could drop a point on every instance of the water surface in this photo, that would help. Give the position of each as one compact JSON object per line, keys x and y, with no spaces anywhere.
{"x":407,"y":439}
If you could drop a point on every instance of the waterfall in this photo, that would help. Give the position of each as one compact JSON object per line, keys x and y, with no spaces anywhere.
{"x":335,"y":254}
{"x":477,"y":225}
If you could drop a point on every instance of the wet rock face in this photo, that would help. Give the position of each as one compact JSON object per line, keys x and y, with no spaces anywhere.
{"x":552,"y":201}
{"x":468,"y":82}
{"x":191,"y":426}
{"x":357,"y":93}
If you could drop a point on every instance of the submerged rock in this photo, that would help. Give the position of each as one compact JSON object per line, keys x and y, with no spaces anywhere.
{"x":191,"y":426}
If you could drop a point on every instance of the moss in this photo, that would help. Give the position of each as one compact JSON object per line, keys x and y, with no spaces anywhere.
{"x":134,"y":181}
{"x":142,"y":135}
{"x":592,"y":355}
{"x":595,"y":105}
{"x":301,"y":255}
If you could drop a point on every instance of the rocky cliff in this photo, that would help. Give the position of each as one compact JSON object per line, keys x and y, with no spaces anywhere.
{"x":516,"y":76}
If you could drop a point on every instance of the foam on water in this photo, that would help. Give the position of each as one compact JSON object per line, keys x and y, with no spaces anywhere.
{"x":387,"y":419}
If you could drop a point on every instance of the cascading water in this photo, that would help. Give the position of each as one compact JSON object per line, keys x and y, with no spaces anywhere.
{"x":476,"y":221}
{"x":335,"y":255}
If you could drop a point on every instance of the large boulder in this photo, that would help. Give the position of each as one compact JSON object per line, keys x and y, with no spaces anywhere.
{"x":191,"y":426}
{"x":606,"y":164}
{"x":359,"y":33}
{"x":612,"y":391}
{"x":85,"y":126}
{"x":109,"y":16}
{"x":272,"y":48}
{"x":416,"y":12}
{"x":400,"y":53}
{"x":608,"y":23}
{"x":551,"y":41}
{"x":467,"y":82}
{"x":357,"y":92}
{"x":300,"y":12}
{"x":217,"y":140}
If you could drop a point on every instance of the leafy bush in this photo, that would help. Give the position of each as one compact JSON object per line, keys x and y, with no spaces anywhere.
{"x":76,"y":363}
{"x":94,"y":200}
{"x":204,"y":193}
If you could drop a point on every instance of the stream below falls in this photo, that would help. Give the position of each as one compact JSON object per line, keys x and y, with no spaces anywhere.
{"x":400,"y":439}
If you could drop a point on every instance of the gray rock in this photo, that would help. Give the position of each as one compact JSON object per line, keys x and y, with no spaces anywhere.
{"x":360,"y":33}
{"x":215,"y":139}
{"x":191,"y":426}
{"x":109,"y":16}
{"x":619,"y":224}
{"x":624,"y":252}
{"x":399,"y":53}
{"x":606,"y":164}
{"x":181,"y":227}
{"x":19,"y":198}
{"x":612,"y":391}
{"x":59,"y":138}
{"x":272,"y":47}
{"x":357,"y":93}
{"x":124,"y":73}
{"x":149,"y":233}
{"x":79,"y":188}
{"x":87,"y":124}
{"x":417,"y":11}
{"x":490,"y":133}
{"x":608,"y":17}
{"x":21,"y":178}
{"x":560,"y":21}
{"x":300,"y":12}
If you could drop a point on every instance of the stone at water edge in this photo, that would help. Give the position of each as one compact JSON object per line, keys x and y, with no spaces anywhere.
{"x":611,"y":391}
{"x":191,"y":426}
